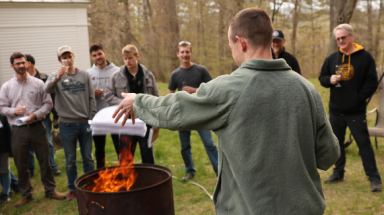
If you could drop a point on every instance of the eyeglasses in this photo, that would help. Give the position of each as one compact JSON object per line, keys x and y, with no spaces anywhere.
{"x":342,"y":38}
{"x":184,"y":42}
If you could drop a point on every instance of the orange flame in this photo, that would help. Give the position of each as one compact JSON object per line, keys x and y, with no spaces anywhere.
{"x":120,"y":178}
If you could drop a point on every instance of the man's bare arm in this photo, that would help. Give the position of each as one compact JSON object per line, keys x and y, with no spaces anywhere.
{"x":171,"y":91}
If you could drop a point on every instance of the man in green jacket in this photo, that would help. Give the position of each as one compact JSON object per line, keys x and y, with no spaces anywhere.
{"x":271,"y":125}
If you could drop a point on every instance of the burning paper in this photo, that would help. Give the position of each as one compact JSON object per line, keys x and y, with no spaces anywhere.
{"x":117,"y":179}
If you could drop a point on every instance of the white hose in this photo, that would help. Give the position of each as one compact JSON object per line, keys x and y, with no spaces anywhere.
{"x":196,"y":184}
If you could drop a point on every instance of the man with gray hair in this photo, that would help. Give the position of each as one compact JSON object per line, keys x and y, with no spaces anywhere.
{"x":351,"y":75}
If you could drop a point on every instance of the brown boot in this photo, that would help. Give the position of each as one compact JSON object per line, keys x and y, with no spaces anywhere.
{"x":55,"y":195}
{"x":23,"y":201}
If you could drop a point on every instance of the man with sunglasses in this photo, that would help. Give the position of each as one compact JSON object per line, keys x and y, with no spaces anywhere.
{"x":351,"y":75}
{"x":279,"y":51}
{"x":188,"y":78}
{"x":133,"y":77}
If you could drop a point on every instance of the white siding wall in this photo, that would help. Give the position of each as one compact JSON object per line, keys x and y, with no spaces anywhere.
{"x":40,"y":29}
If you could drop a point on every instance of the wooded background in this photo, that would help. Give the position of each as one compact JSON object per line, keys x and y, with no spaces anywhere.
{"x":157,"y":26}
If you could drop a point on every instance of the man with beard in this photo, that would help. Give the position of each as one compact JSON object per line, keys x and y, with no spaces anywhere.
{"x":100,"y":73}
{"x":271,"y":125}
{"x":279,"y":51}
{"x":23,"y":95}
{"x":47,"y":121}
{"x":188,"y":78}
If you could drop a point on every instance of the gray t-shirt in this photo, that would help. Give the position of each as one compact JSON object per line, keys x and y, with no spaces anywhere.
{"x":193,"y":77}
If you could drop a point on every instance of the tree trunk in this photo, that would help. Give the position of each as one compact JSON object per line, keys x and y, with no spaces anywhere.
{"x":331,"y":15}
{"x":342,"y":14}
{"x":127,"y":23}
{"x":276,"y":9}
{"x":313,"y":51}
{"x":369,"y":25}
{"x":151,"y":39}
{"x":174,"y":33}
{"x":295,"y":20}
{"x":202,"y":5}
{"x":375,"y":52}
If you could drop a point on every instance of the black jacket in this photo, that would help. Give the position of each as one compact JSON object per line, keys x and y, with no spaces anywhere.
{"x":358,"y":80}
{"x":44,"y":78}
{"x":291,"y":60}
{"x":5,"y":134}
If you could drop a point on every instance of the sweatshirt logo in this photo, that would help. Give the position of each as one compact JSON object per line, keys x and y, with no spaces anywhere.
{"x":346,"y":73}
{"x":73,"y":86}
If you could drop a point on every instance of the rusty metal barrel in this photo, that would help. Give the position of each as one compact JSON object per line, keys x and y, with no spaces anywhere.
{"x":150,"y":194}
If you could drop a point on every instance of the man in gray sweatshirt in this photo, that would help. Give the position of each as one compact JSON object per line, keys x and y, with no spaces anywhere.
{"x":75,"y":103}
{"x":100,"y":73}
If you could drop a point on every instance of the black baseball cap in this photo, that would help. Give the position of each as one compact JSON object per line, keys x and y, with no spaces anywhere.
{"x":277,"y":34}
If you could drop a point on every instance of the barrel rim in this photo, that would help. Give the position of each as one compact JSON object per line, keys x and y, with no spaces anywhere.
{"x":148,"y":166}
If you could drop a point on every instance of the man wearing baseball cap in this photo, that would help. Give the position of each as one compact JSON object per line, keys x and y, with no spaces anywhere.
{"x":279,"y":51}
{"x":75,"y":103}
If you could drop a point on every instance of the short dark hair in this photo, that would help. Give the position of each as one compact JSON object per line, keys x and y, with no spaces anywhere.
{"x":255,"y":25}
{"x":30,"y":58}
{"x":16,"y":55}
{"x":95,"y":47}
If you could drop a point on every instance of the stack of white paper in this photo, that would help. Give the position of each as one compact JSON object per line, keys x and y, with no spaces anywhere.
{"x":103,"y":124}
{"x":21,"y":121}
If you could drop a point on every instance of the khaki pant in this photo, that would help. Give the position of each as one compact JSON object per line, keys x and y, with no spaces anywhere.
{"x":22,"y":139}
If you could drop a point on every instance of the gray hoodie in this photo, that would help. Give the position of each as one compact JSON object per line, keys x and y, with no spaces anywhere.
{"x":100,"y":77}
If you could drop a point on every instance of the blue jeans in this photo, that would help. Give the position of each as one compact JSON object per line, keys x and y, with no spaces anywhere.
{"x":5,"y":181}
{"x":14,"y":182}
{"x":8,"y":182}
{"x":48,"y":127}
{"x":210,"y":148}
{"x":69,"y":134}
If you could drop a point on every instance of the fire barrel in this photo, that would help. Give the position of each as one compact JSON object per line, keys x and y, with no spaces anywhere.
{"x":150,"y":194}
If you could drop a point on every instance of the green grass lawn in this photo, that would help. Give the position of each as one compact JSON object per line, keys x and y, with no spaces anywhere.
{"x":350,"y":197}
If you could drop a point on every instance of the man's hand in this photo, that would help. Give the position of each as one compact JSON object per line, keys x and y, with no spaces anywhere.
{"x":98,"y":92}
{"x":335,"y":79}
{"x":62,"y":71}
{"x":189,"y":90}
{"x":32,"y":117}
{"x":125,"y":107}
{"x":20,"y":110}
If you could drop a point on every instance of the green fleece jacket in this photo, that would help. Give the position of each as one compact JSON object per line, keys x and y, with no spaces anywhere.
{"x":273,"y":134}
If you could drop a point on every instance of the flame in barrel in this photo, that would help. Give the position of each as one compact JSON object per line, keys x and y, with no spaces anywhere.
{"x":118,"y":179}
